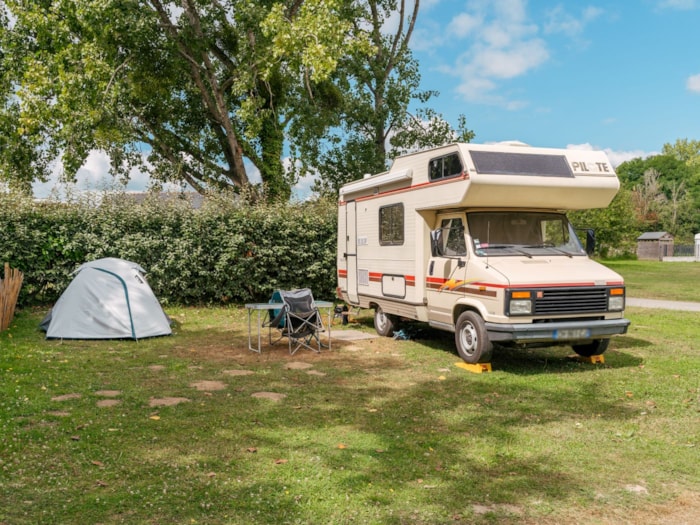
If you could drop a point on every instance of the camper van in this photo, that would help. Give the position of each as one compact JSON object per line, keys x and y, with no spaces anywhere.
{"x":474,"y":239}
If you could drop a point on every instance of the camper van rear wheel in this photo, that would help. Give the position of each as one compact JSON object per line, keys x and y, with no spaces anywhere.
{"x":595,"y":347}
{"x":471,"y":339}
{"x":384,"y":324}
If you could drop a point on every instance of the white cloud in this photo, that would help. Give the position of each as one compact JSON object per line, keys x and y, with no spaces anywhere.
{"x":560,"y":21}
{"x":616,"y":157}
{"x":501,"y":43}
{"x":462,"y":25}
{"x":680,"y":5}
{"x":93,"y":177}
{"x":693,"y":83}
{"x":505,"y":45}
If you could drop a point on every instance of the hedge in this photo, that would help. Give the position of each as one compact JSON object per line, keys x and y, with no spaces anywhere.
{"x":223,"y":252}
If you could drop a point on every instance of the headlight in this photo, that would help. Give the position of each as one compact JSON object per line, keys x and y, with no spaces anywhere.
{"x":520,"y":307}
{"x":616,"y":300}
{"x":616,"y":303}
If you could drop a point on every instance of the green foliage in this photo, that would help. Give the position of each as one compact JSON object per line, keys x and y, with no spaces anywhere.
{"x":615,"y":227}
{"x":666,"y":189}
{"x":377,"y":121}
{"x":218,"y":254}
{"x":205,"y":85}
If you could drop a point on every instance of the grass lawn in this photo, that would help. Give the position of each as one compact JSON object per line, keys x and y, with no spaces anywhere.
{"x":659,"y":280}
{"x":377,"y":431}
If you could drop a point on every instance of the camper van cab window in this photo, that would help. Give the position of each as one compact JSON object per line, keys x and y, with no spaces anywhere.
{"x":453,"y":235}
{"x":391,"y":225}
{"x":445,"y":167}
{"x":527,"y":234}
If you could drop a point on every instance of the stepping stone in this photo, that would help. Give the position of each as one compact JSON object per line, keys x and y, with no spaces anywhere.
{"x":208,"y":386}
{"x":316,"y":373}
{"x":108,"y":393}
{"x":273,"y":396}
{"x":105,"y":403}
{"x":66,"y":397}
{"x":297,"y":365}
{"x":167,"y":401}
{"x":156,"y":368}
{"x":238,"y":372}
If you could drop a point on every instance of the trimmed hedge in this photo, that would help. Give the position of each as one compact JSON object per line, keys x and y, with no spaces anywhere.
{"x":221,"y":253}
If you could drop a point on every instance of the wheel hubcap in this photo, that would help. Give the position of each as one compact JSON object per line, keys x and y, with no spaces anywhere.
{"x":468,"y":338}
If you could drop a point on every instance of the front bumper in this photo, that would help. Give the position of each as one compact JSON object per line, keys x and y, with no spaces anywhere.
{"x":565,"y":331}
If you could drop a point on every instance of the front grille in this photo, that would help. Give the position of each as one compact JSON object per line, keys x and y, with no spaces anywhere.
{"x":571,"y":300}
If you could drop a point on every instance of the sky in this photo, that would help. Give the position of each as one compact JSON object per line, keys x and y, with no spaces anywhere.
{"x":617,"y":75}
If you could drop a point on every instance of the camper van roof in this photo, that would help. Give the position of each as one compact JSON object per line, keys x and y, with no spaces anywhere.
{"x":503,"y":175}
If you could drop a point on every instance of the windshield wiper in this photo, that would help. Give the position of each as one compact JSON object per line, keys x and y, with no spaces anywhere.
{"x":509,"y":247}
{"x":550,"y":247}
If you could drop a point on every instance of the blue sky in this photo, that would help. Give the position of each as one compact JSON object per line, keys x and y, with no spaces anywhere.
{"x":621,"y":76}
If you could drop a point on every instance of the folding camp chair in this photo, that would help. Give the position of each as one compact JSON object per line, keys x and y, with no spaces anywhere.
{"x":297,"y":319}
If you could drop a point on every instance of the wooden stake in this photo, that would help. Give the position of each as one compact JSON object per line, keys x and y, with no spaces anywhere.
{"x":9,"y":292}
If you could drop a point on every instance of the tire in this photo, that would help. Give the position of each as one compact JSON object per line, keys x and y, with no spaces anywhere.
{"x":471,"y":339}
{"x":384,"y":324}
{"x":595,"y":347}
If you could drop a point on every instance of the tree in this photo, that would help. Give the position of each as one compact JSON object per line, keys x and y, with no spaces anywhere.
{"x":198,"y":85}
{"x":375,"y":123}
{"x":648,"y":199}
{"x":666,"y":189}
{"x":616,"y":227}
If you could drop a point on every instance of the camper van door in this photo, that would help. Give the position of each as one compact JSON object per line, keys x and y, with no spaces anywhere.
{"x":447,"y":270}
{"x":351,"y":250}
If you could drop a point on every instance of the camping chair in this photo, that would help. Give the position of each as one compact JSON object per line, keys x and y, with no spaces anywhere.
{"x":297,"y":319}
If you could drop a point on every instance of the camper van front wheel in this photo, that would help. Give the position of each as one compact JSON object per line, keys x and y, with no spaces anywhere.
{"x":471,"y":339}
{"x":595,"y":347}
{"x":384,"y":324}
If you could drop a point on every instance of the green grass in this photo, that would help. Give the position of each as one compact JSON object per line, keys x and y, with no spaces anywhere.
{"x":393,"y":433}
{"x":659,"y":280}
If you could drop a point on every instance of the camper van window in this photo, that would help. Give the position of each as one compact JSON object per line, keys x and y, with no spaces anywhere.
{"x":522,"y":233}
{"x":445,"y":167}
{"x":454,"y":237}
{"x":391,"y":225}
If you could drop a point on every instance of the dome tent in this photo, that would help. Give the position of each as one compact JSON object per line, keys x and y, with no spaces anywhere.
{"x":107,"y":299}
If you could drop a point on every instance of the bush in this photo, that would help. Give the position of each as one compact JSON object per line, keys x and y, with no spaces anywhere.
{"x":224,"y":252}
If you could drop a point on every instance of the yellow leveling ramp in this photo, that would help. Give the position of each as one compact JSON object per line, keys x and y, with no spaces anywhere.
{"x":591,"y":359}
{"x":475,"y":369}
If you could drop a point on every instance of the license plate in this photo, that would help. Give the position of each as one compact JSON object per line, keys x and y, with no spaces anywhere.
{"x":575,"y":333}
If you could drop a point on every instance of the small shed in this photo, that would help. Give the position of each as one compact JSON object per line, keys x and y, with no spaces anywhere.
{"x":654,"y":246}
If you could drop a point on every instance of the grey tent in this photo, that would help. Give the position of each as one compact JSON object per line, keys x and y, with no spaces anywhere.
{"x":107,"y":299}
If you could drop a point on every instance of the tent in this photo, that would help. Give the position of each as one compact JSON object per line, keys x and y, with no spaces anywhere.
{"x":107,"y":299}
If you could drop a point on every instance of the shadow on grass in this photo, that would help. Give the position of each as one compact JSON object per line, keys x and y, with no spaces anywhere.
{"x":415,"y":449}
{"x":448,"y":443}
{"x":528,"y":361}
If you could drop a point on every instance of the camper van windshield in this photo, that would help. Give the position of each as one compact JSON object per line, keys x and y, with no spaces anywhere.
{"x":509,"y":233}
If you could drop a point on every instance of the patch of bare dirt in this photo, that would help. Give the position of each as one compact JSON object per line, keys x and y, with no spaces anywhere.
{"x":298,"y":365}
{"x":106,"y":403}
{"x":66,"y":397}
{"x":273,"y":396}
{"x":684,"y":510}
{"x":208,"y":386}
{"x":108,"y":393}
{"x":58,"y":413}
{"x":166,"y":401}
{"x":238,"y":373}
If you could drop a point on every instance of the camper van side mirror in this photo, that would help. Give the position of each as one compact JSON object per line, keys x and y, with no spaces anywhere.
{"x":590,"y":241}
{"x":436,"y":243}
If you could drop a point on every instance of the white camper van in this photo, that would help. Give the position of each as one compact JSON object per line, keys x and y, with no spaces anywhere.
{"x":473,"y":239}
